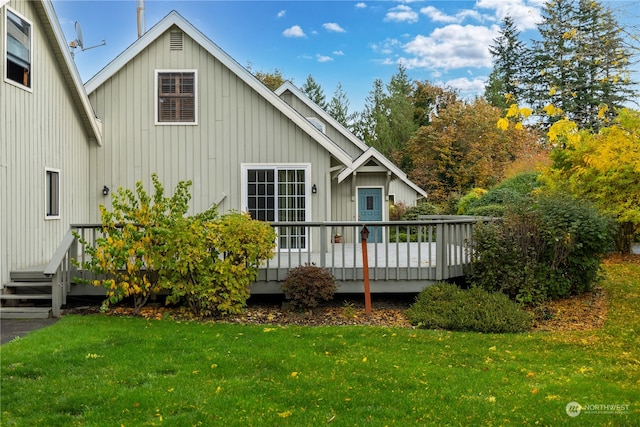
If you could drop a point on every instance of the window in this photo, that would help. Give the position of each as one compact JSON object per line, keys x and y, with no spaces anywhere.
{"x":279,"y":194}
{"x":52,"y":190}
{"x":18,"y":49}
{"x":176,"y":97}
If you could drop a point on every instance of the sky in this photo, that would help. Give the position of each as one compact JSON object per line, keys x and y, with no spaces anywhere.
{"x":350,"y":43}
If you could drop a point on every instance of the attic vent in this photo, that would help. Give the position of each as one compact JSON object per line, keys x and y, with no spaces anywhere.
{"x":318,"y":124}
{"x":175,"y":40}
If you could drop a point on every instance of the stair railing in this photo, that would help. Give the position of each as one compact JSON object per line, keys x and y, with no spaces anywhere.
{"x":62,"y":271}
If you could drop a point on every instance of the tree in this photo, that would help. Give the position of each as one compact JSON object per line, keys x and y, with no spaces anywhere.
{"x":338,"y":107}
{"x":508,"y":55}
{"x":272,"y":80}
{"x":603,"y":167}
{"x":314,"y":91}
{"x":463,"y":148}
{"x":428,"y":99}
{"x":580,"y":64}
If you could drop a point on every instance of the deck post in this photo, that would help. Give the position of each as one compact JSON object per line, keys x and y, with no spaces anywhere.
{"x":323,"y":245}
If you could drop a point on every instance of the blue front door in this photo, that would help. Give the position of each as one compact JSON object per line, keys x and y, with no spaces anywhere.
{"x":370,"y":209}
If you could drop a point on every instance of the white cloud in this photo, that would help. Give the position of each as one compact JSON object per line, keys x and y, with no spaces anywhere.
{"x":437,"y":16}
{"x":466,"y":85}
{"x":386,"y":47}
{"x":525,"y":13}
{"x":450,"y":47}
{"x":295,"y":31}
{"x":281,"y":13}
{"x":334,"y":27}
{"x":323,"y":58}
{"x":338,"y":53}
{"x":361,"y":5}
{"x":401,"y":13}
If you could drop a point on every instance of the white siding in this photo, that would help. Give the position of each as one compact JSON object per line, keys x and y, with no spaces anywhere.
{"x":38,"y":129}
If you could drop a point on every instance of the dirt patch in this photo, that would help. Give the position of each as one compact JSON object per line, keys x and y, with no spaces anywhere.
{"x":587,"y":311}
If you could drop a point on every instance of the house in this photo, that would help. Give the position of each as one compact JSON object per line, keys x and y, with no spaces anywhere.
{"x":47,"y":131}
{"x":175,"y":104}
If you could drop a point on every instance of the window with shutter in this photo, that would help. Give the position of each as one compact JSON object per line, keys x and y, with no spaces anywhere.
{"x":176,"y":97}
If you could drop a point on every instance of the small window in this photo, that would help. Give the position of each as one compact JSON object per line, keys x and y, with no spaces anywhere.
{"x":176,"y":97}
{"x":52,"y":190}
{"x":18,"y":48}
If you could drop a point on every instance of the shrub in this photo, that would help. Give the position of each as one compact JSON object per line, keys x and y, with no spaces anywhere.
{"x":549,"y":251}
{"x":422,"y":208}
{"x":210,"y":263}
{"x":445,"y":306}
{"x":127,"y":259}
{"x":307,"y":286}
{"x":464,"y":201}
{"x":510,"y":193}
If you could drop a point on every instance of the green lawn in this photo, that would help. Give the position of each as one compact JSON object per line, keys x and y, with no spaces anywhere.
{"x":113,"y":371}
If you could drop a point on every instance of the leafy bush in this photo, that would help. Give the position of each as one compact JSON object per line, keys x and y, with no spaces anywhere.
{"x":549,"y":251}
{"x":211,"y":263}
{"x":127,"y":259}
{"x":512,"y":192}
{"x":464,"y":201}
{"x":149,"y":244}
{"x":422,"y":208}
{"x":306,"y":286}
{"x":445,"y":306}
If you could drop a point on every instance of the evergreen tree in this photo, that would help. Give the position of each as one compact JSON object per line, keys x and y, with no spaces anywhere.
{"x":581,"y":64}
{"x":314,"y":91}
{"x":508,"y":54}
{"x":339,"y":107}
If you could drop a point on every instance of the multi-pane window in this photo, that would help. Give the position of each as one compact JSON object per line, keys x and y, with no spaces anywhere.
{"x":279,"y":194}
{"x":18,"y":49}
{"x":176,"y":97}
{"x":52,"y":193}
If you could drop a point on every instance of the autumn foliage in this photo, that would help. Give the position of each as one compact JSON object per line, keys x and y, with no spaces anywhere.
{"x":149,"y":243}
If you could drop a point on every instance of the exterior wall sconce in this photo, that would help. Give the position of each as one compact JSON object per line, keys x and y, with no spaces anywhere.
{"x":314,"y":189}
{"x":105,"y":191}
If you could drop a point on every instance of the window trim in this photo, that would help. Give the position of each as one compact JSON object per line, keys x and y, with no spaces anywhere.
{"x":5,"y":52}
{"x":156,"y":95}
{"x":48,"y":196}
{"x":245,"y":167}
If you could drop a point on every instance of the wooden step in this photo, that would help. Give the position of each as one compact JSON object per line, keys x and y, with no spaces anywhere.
{"x":25,"y":312}
{"x":27,"y":284}
{"x":29,"y":275}
{"x":25,"y":296}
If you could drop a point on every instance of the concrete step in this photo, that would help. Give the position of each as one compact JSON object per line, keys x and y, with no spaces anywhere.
{"x":25,"y":312}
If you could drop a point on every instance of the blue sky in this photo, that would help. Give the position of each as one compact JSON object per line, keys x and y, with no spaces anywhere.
{"x":347,"y":42}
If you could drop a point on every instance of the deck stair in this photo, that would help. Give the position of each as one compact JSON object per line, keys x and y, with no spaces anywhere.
{"x":27,"y":296}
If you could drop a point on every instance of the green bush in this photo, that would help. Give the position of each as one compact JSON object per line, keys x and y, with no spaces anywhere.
{"x":510,"y":193}
{"x":422,"y":208}
{"x":445,"y":306}
{"x":210,"y":263}
{"x":549,"y":251}
{"x":306,"y":286}
{"x":465,"y":200}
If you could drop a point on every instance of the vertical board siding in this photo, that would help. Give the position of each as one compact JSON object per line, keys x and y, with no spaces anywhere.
{"x":235,"y":125}
{"x":40,"y":128}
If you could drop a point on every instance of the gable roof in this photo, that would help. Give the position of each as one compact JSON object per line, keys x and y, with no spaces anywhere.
{"x":174,"y":18}
{"x":368,"y":153}
{"x":53,"y":31}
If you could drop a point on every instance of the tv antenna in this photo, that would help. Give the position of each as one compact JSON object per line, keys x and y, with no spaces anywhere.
{"x":79,"y":41}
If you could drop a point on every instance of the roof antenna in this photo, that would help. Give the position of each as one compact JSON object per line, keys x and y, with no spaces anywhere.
{"x":141,"y":25}
{"x":79,"y":41}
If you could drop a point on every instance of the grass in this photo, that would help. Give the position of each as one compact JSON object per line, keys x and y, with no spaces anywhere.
{"x":112,"y":371}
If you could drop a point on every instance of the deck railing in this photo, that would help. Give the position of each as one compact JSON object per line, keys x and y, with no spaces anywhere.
{"x":403,"y":256}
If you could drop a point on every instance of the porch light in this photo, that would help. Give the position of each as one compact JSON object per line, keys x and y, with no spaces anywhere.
{"x":314,"y":189}
{"x":105,"y":191}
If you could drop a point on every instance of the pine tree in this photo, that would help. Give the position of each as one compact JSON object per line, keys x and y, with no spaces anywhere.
{"x":314,"y":91}
{"x":338,"y":107}
{"x":508,"y":54}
